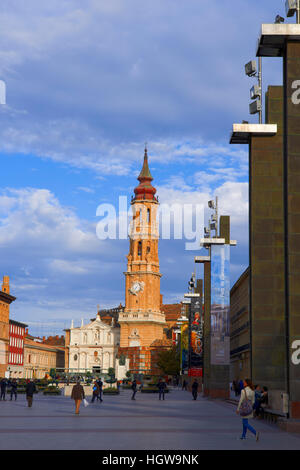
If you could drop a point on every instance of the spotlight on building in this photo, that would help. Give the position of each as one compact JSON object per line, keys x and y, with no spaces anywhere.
{"x":279,"y":19}
{"x":213,"y":226}
{"x":291,"y":7}
{"x":206,"y":232}
{"x":251,"y":68}
{"x":255,"y":107}
{"x":255,"y":92}
{"x":245,"y":122}
{"x":211,"y":204}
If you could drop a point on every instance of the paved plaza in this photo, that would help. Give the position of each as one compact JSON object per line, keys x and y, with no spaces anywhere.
{"x":119,"y":423}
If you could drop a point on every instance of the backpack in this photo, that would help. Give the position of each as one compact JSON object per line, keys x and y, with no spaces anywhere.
{"x":246,"y":406}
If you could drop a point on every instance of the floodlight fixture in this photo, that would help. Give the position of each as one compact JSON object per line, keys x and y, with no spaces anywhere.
{"x":213,"y":225}
{"x":251,"y":68}
{"x":245,"y":122}
{"x":290,"y":7}
{"x":211,"y":204}
{"x":279,"y":19}
{"x":255,"y":92}
{"x":255,"y":107}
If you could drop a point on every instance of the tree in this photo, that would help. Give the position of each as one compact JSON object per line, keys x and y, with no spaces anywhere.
{"x":169,"y":361}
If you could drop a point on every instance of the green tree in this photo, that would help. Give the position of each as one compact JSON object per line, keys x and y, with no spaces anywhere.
{"x":169,"y":361}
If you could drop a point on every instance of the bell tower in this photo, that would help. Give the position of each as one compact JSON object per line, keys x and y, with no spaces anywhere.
{"x":142,"y":321}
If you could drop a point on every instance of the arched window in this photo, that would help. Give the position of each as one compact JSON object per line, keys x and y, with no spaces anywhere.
{"x":140,"y":249}
{"x":148,"y":216}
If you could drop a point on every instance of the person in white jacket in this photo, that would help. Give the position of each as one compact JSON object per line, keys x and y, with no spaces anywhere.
{"x":247,"y":394}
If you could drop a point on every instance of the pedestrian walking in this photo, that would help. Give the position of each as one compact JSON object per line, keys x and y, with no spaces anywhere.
{"x":30,"y":389}
{"x":95,"y":392}
{"x":100,"y":385}
{"x":245,"y":408}
{"x":241,"y":386}
{"x":161,"y":389}
{"x":184,"y":385}
{"x":3,"y":385}
{"x":195,"y":386}
{"x":134,"y":388}
{"x":77,"y":395}
{"x":235,"y":387}
{"x":13,"y":390}
{"x":257,"y":397}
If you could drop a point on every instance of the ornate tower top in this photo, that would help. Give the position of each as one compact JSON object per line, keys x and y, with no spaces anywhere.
{"x":145,"y":190}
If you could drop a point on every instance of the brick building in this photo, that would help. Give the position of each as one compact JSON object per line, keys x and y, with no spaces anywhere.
{"x":40,"y":357}
{"x":5,"y":300}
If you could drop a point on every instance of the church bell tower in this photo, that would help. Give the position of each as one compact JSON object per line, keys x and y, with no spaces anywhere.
{"x":142,"y":321}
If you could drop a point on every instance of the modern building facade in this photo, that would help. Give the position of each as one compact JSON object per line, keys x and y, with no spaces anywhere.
{"x":240,"y":347}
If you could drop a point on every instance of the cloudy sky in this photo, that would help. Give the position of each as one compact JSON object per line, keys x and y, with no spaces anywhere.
{"x":88,"y":82}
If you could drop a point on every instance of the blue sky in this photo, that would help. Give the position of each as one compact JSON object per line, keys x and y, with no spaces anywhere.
{"x":87,"y":84}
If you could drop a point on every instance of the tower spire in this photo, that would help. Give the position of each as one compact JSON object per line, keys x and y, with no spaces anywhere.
{"x":145,"y":190}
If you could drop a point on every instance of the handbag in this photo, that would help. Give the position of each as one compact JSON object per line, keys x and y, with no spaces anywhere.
{"x":246,"y":407}
{"x":85,"y":402}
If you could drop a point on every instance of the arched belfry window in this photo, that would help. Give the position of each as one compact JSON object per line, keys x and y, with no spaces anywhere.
{"x":148,"y":216}
{"x":139,"y":248}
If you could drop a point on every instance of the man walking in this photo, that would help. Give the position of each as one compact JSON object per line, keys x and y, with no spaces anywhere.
{"x":134,"y":388}
{"x":77,"y":395}
{"x":30,"y":389}
{"x":161,"y":389}
{"x":195,"y":386}
{"x":95,"y":392}
{"x":3,"y":385}
{"x":13,"y":390}
{"x":100,"y":386}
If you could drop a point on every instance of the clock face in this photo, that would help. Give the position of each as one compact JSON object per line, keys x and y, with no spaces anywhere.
{"x":136,"y":287}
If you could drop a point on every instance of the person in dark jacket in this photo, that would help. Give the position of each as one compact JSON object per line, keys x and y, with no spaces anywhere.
{"x":184,"y":385}
{"x":100,"y":385}
{"x":161,"y":389}
{"x":77,"y":395}
{"x":3,"y":385}
{"x":95,"y":392}
{"x":30,"y":389}
{"x":134,"y":388}
{"x":195,"y":386}
{"x":13,"y":390}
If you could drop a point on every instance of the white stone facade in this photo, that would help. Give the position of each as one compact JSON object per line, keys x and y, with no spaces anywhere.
{"x":94,"y":345}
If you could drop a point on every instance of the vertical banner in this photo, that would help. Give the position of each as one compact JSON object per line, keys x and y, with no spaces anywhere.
{"x":220,"y":302}
{"x":196,"y":336}
{"x":184,"y":346}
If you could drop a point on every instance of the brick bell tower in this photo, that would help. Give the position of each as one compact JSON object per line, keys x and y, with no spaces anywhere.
{"x":142,"y":321}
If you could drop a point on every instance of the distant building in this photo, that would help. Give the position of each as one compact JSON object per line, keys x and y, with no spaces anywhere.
{"x":40,"y":358}
{"x":93,"y":347}
{"x":16,"y":349}
{"x":5,"y":300}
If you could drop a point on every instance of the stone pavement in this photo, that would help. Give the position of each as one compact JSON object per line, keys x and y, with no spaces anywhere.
{"x":119,"y":423}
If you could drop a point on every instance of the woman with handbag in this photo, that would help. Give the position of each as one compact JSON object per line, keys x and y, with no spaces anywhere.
{"x":245,"y":408}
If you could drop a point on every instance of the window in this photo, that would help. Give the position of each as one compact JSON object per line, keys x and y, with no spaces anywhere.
{"x":148,"y":216}
{"x":140,"y":249}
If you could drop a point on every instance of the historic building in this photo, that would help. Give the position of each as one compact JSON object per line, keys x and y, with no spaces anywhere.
{"x":40,"y":357}
{"x":15,"y":365}
{"x":142,"y":322}
{"x":93,"y":347}
{"x":5,"y":300}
